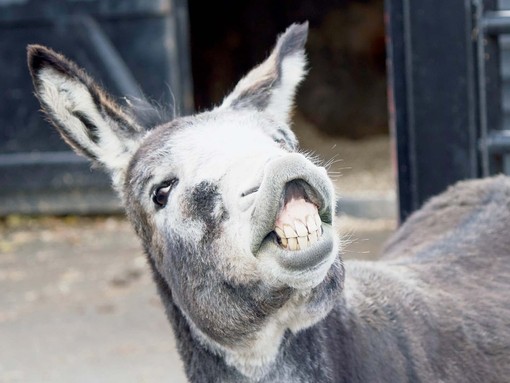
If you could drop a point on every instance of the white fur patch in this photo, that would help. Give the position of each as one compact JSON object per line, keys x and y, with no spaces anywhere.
{"x":256,"y":356}
{"x":282,"y":99}
{"x":64,"y":96}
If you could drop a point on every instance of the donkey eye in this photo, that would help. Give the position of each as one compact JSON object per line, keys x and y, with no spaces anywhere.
{"x":161,"y":193}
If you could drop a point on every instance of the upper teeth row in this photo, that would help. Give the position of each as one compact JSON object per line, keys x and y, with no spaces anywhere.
{"x":300,"y":235}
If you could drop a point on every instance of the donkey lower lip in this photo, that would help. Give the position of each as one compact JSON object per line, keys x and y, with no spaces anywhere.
{"x":301,"y":269}
{"x":300,"y":240}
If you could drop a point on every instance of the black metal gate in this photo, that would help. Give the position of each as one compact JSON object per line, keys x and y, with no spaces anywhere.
{"x":128,"y":45}
{"x":449,"y":67}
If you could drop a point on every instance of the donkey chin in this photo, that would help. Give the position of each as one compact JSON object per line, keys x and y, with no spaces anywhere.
{"x":292,"y":222}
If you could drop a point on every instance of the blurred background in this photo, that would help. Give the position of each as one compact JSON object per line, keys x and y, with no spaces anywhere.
{"x":401,"y":99}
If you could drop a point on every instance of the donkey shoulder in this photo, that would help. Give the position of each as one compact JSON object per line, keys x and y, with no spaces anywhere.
{"x":443,"y":281}
{"x":470,"y":220}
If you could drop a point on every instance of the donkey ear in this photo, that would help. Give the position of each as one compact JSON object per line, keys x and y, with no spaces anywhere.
{"x":86,"y":117}
{"x":271,"y":86}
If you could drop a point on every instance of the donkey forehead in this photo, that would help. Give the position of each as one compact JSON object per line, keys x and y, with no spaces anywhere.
{"x":203,"y":146}
{"x":221,"y":136}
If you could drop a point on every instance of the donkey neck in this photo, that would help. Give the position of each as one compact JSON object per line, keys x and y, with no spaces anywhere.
{"x":300,"y":358}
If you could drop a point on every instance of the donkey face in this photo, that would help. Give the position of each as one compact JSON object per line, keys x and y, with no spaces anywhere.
{"x":234,"y":220}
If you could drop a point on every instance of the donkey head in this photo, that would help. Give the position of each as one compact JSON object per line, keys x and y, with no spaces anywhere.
{"x":236,"y":222}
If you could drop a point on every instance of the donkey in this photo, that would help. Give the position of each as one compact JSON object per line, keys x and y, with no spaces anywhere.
{"x":237,"y":226}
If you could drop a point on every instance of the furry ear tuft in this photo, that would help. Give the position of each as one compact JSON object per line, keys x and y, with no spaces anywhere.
{"x":86,"y":117}
{"x":271,"y":86}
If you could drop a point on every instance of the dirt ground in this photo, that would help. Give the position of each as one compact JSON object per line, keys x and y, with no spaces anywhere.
{"x":77,"y":303}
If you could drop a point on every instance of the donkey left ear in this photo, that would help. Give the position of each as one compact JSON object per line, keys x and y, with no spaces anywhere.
{"x":271,"y":86}
{"x":83,"y":113}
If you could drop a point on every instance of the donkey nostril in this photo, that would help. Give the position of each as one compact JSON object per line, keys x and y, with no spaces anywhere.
{"x":250,"y":191}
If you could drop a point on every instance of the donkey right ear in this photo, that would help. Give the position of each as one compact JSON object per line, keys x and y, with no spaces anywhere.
{"x":271,"y":86}
{"x":86,"y":117}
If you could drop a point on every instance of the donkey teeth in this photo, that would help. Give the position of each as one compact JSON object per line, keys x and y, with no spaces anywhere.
{"x":310,"y":223}
{"x":279,"y":232}
{"x":300,"y":236}
{"x":313,"y":237}
{"x":318,"y":222}
{"x":297,"y":243}
{"x":302,"y":242}
{"x":293,"y":243}
{"x":281,"y":236}
{"x":289,"y":231}
{"x":301,"y":229}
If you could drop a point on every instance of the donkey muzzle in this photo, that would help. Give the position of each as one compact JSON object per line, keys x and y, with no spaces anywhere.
{"x":292,"y":234}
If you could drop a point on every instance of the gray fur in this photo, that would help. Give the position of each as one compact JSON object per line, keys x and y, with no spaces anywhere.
{"x":436,"y":308}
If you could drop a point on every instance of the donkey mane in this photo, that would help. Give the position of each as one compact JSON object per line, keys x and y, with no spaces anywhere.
{"x":238,"y":229}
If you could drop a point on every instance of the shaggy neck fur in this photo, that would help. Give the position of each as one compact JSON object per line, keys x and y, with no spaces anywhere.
{"x":203,"y":364}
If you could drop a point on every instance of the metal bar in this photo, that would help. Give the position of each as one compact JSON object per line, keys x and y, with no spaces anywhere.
{"x":480,"y":41}
{"x":398,"y":105}
{"x":489,"y":81}
{"x":40,"y":158}
{"x":498,"y":142}
{"x":433,"y":89}
{"x":496,"y":22}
